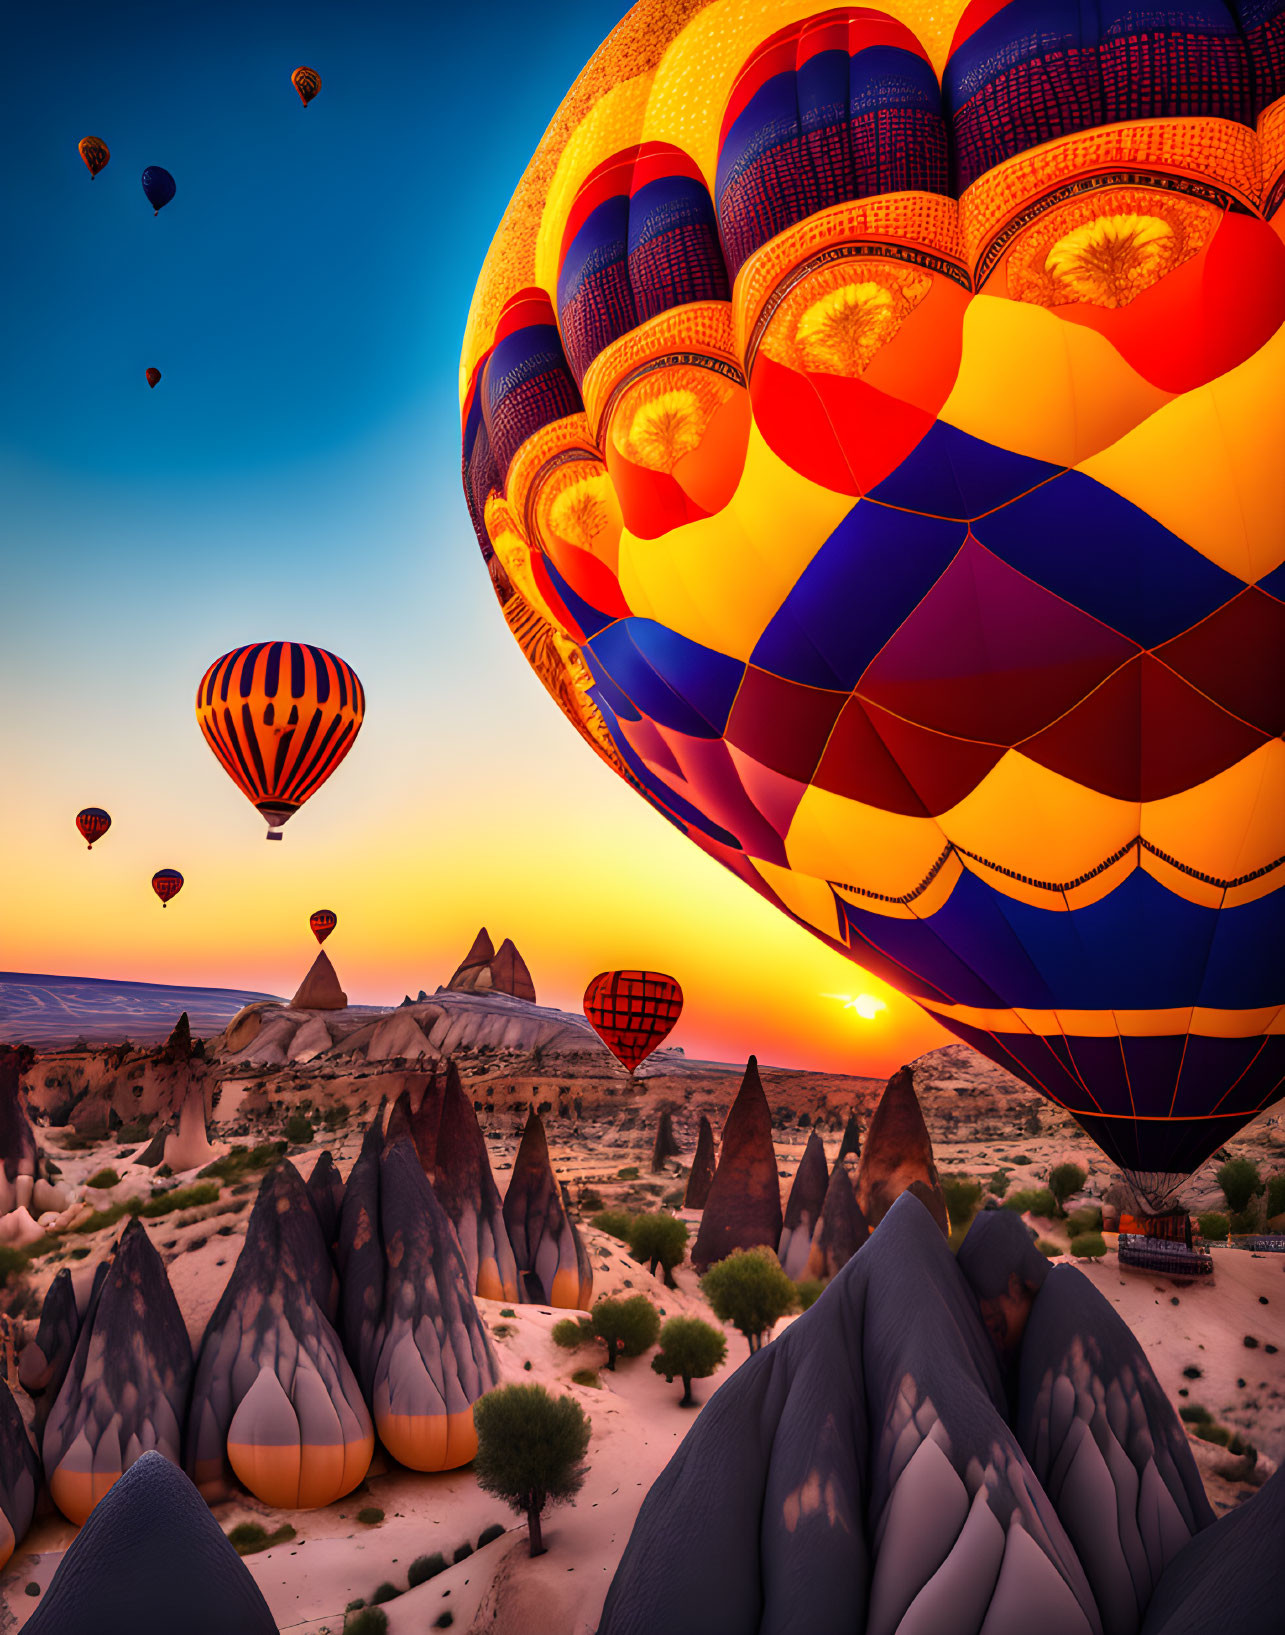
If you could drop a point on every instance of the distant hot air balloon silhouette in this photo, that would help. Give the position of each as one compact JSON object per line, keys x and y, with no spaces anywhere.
{"x":159,"y":186}
{"x":167,"y":883}
{"x":153,"y":375}
{"x":323,"y":922}
{"x":93,"y":823}
{"x":280,"y":716}
{"x":95,"y":152}
{"x":632,"y":1011}
{"x":307,"y":81}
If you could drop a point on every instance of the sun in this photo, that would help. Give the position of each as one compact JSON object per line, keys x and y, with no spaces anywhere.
{"x":866,"y":1005}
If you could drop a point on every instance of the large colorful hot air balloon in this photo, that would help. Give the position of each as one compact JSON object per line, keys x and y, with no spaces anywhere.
{"x":307,"y":81}
{"x":872,"y":429}
{"x":95,"y":152}
{"x":159,"y":186}
{"x":632,"y":1012}
{"x":93,"y":824}
{"x":280,"y":716}
{"x":323,"y":922}
{"x":153,"y":376}
{"x":167,"y":883}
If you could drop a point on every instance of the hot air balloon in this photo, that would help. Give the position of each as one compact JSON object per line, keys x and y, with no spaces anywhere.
{"x":93,"y":824}
{"x":95,"y":152}
{"x":280,"y":716}
{"x":307,"y":81}
{"x":872,"y":428}
{"x":153,"y":375}
{"x":159,"y":186}
{"x":167,"y":883}
{"x":632,"y":1012}
{"x":323,"y":922}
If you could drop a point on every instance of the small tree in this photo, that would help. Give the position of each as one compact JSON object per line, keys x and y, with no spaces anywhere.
{"x":530,"y":1450}
{"x":1065,"y":1179}
{"x":659,"y":1240}
{"x":626,"y":1327}
{"x":690,"y":1349}
{"x":1240,"y":1181}
{"x":1214,"y":1226}
{"x":1275,"y":1195}
{"x":749,"y":1290}
{"x":1088,"y":1246}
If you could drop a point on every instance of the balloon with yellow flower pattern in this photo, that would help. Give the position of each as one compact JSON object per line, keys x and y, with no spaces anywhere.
{"x":872,"y":426}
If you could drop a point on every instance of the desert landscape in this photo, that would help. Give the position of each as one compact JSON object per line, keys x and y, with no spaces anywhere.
{"x":175,"y":1142}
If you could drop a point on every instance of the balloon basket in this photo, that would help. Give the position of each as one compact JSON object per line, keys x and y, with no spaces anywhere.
{"x":273,"y":834}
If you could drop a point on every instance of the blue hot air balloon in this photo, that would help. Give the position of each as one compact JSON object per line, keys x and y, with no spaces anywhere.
{"x":159,"y":186}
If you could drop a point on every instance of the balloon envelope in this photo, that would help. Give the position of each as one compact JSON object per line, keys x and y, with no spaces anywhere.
{"x":93,"y":824}
{"x":159,"y":186}
{"x":323,"y":922}
{"x":153,"y":375}
{"x":167,"y":883}
{"x":307,"y":81}
{"x":879,"y":464}
{"x":279,"y":716}
{"x":632,"y":1012}
{"x":95,"y":152}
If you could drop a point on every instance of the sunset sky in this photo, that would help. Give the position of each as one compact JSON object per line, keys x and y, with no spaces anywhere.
{"x":296,"y":475}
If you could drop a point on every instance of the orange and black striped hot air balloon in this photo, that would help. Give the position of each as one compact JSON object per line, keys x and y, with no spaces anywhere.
{"x":95,"y":152}
{"x":632,"y":1011}
{"x":167,"y":883}
{"x":153,"y":375}
{"x":93,"y":823}
{"x":280,"y":716}
{"x":323,"y":922}
{"x":307,"y":81}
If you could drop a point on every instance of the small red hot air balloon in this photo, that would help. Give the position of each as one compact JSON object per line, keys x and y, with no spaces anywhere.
{"x":323,"y":922}
{"x":93,"y":823}
{"x":167,"y":883}
{"x":307,"y":81}
{"x":632,"y":1011}
{"x":95,"y":152}
{"x":153,"y":375}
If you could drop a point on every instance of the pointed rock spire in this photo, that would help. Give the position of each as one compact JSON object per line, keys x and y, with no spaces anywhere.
{"x":19,"y":1154}
{"x":666,"y":1147}
{"x":273,"y":1395}
{"x":898,"y":1151}
{"x":320,"y":990}
{"x":1228,"y":1577}
{"x":474,"y":970}
{"x":460,"y":1170}
{"x":178,"y":1047}
{"x":552,"y":1262}
{"x":803,"y":1210}
{"x":744,"y":1203}
{"x":840,"y":1231}
{"x":43,"y":1362}
{"x":1005,"y":1272}
{"x":188,"y":1145}
{"x":126,"y":1388}
{"x":19,"y":1475}
{"x":326,"y":1190}
{"x":509,"y":973}
{"x":851,"y":1144}
{"x":152,"y":1557}
{"x":703,"y":1165}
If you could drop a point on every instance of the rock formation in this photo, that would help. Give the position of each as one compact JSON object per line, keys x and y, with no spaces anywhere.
{"x":803,"y":1208}
{"x":183,"y":1143}
{"x":273,"y":1395}
{"x":703,"y":1165}
{"x":43,"y":1362}
{"x":422,"y":1352}
{"x":909,"y":1504}
{"x":19,"y":1476}
{"x":840,"y":1231}
{"x":509,"y":973}
{"x":552,"y":1263}
{"x":897,"y":1152}
{"x":851,"y":1143}
{"x":399,"y":1037}
{"x":666,"y":1147}
{"x":152,"y":1558}
{"x":178,"y":1047}
{"x":125,"y":1390}
{"x":326,"y":1190}
{"x":1106,"y":1447}
{"x":320,"y":990}
{"x":1005,"y":1272}
{"x":19,"y":1154}
{"x":466,"y":1189}
{"x":484,"y":969}
{"x":474,"y":970}
{"x":1228,"y":1576}
{"x":744,"y":1203}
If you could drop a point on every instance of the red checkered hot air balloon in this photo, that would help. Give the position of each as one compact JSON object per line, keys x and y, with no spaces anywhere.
{"x":323,"y":922}
{"x":95,"y":152}
{"x":167,"y":883}
{"x":307,"y":81}
{"x":93,"y":823}
{"x":153,"y":376}
{"x":280,"y":716}
{"x":632,"y":1012}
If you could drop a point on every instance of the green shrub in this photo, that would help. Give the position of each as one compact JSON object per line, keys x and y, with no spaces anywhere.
{"x":13,"y":1262}
{"x":425,"y":1567}
{"x":614,"y":1222}
{"x":488,"y":1535}
{"x":103,"y":1179}
{"x":998,"y":1183}
{"x":658,"y":1240}
{"x":249,"y":1537}
{"x":629,"y":1173}
{"x":590,"y":1199}
{"x":1088,"y":1246}
{"x":749,"y":1290}
{"x":587,"y":1376}
{"x":234,"y":1164}
{"x":137,"y":1129}
{"x":1214,"y":1226}
{"x":1033,"y":1201}
{"x":1243,"y":1221}
{"x":1240,"y":1181}
{"x":962,"y":1195}
{"x":809,"y":1292}
{"x":1048,"y":1248}
{"x":1276,"y":1195}
{"x":109,"y":1216}
{"x":189,"y":1197}
{"x":1065,"y":1180}
{"x":370,"y":1515}
{"x":507,"y":1311}
{"x":385,"y":1592}
{"x":1088,"y":1218}
{"x":1021,"y":1158}
{"x":366,"y":1621}
{"x":1193,"y":1413}
{"x":572,"y":1332}
{"x":299,"y":1131}
{"x":690,"y":1349}
{"x":626,"y":1327}
{"x":1208,"y":1431}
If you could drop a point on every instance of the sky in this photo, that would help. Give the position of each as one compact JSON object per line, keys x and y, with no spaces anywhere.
{"x":296,"y":475}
